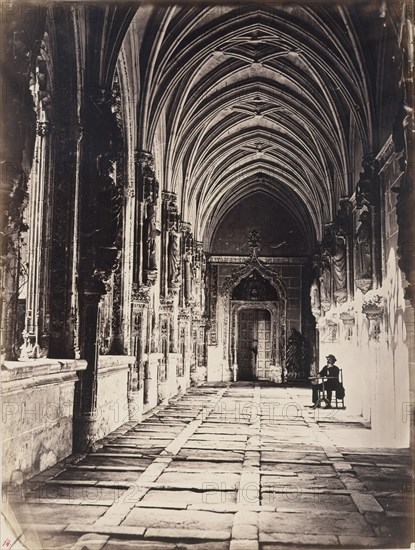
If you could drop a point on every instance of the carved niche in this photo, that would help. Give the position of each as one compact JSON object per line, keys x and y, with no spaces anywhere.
{"x":363,"y":251}
{"x":348,"y":320}
{"x":254,"y":287}
{"x":373,"y":308}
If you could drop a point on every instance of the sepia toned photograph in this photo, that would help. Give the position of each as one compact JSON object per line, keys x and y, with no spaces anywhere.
{"x":207,"y":274}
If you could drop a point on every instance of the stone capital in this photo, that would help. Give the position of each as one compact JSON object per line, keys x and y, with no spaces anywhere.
{"x":373,"y":308}
{"x":144,"y":159}
{"x":43,"y":128}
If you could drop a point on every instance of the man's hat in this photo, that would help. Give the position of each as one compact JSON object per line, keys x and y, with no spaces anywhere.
{"x":330,"y":356}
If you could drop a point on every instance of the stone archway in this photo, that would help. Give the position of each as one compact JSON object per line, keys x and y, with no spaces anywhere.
{"x":274,"y":303}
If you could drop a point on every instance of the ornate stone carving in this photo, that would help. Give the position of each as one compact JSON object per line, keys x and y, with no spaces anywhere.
{"x":151,"y":232}
{"x":173,"y":258}
{"x":43,"y":128}
{"x":363,"y":242}
{"x":339,"y":261}
{"x":212,"y":274}
{"x":365,"y":192}
{"x":315,"y":299}
{"x":221,"y":259}
{"x":403,"y":132}
{"x":348,"y":319}
{"x":373,"y":308}
{"x":166,"y":304}
{"x":325,"y":281}
{"x":141,"y":294}
{"x":253,"y":264}
{"x":331,"y":329}
{"x":363,"y":284}
{"x":144,"y":159}
{"x":254,"y":241}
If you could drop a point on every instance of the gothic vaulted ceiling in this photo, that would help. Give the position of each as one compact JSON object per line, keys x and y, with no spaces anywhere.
{"x":236,"y":99}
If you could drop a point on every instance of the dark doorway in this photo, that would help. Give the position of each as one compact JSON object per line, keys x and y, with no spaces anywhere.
{"x":254,"y":344}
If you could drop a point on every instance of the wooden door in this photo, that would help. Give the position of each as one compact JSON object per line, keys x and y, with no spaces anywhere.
{"x":264,"y":344}
{"x":254,"y":344}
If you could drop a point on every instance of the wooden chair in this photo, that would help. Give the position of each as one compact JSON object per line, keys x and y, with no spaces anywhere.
{"x":334,"y":399}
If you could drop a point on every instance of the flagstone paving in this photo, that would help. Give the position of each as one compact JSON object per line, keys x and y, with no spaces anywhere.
{"x":223,"y":467}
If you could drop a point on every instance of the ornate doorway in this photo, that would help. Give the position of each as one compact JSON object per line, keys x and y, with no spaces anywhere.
{"x":254,"y":344}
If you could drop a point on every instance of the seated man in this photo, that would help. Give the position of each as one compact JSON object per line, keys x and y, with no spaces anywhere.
{"x":332,"y":373}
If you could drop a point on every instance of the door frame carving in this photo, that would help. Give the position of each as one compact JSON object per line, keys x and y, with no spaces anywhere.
{"x":277,"y":308}
{"x":236,"y":307}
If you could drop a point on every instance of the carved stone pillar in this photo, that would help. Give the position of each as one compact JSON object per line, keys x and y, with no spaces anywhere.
{"x":35,"y":332}
{"x":138,"y":332}
{"x":85,"y":414}
{"x":20,"y":40}
{"x":212,"y":295}
{"x":99,"y":232}
{"x":199,"y":277}
{"x":144,"y":169}
{"x":68,"y":137}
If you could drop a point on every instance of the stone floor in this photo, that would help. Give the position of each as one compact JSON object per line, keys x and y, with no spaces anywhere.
{"x":235,"y":467}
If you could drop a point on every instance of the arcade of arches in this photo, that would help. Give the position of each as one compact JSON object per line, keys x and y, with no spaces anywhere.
{"x":202,"y":194}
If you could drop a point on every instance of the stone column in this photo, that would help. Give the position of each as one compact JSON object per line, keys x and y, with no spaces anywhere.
{"x":38,"y":218}
{"x":20,"y":39}
{"x":98,"y":251}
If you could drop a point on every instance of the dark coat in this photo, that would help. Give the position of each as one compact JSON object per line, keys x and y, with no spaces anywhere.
{"x":331,"y":371}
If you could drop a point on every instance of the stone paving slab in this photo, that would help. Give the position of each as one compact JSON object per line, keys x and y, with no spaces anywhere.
{"x":55,"y":512}
{"x":311,"y":522}
{"x":186,"y":534}
{"x":55,"y":492}
{"x":183,"y":519}
{"x":315,"y":482}
{"x":218,"y":437}
{"x":201,"y":454}
{"x":298,"y":467}
{"x":91,"y":475}
{"x":200,"y":465}
{"x":285,"y":502}
{"x":298,"y":540}
{"x":201,"y":498}
{"x":208,"y":477}
{"x":114,"y":544}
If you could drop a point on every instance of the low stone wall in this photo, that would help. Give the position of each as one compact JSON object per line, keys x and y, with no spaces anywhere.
{"x":150,"y":383}
{"x":37,"y":413}
{"x":112,"y":393}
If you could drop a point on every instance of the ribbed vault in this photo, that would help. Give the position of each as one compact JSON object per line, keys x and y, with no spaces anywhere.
{"x":232,"y":100}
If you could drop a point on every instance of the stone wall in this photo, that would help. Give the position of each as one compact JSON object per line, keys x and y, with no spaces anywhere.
{"x":371,"y":334}
{"x":37,"y":415}
{"x":112,"y":393}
